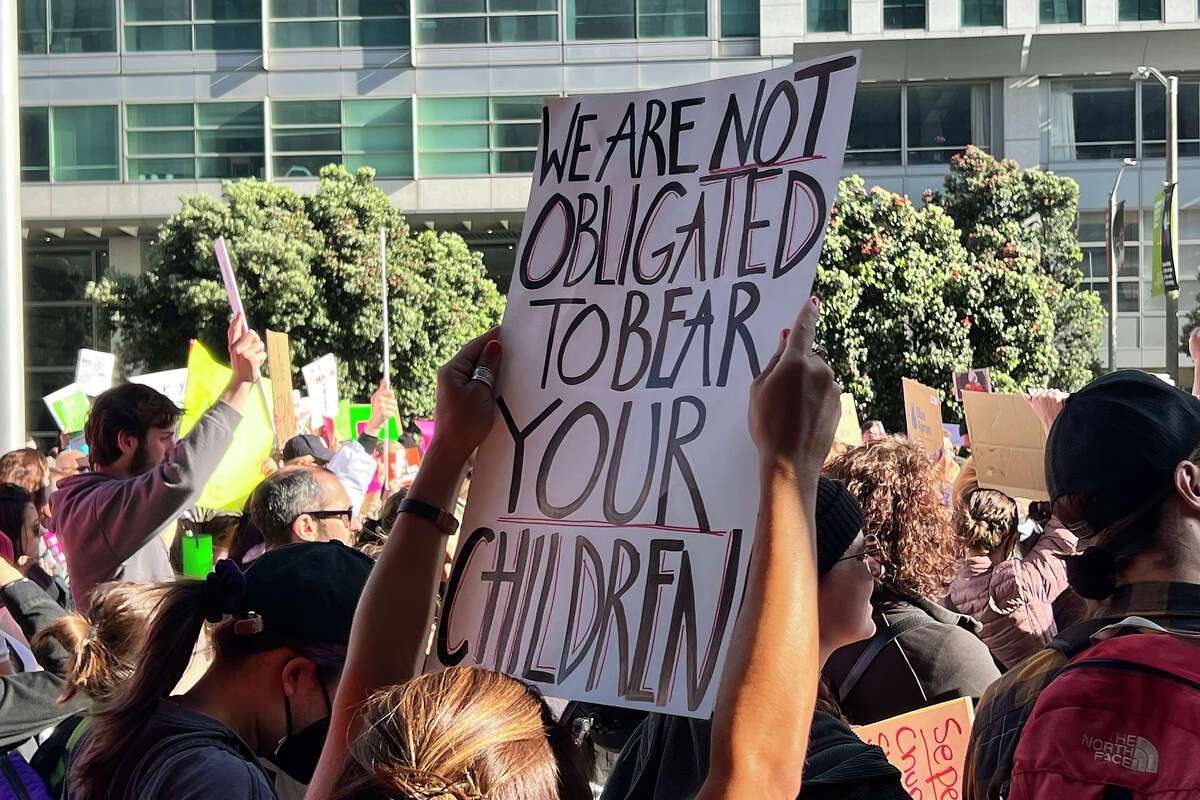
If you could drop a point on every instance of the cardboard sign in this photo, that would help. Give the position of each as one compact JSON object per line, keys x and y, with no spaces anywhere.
{"x":94,"y":371}
{"x":928,"y":746}
{"x":320,"y":378}
{"x":69,"y":406}
{"x":1008,"y":443}
{"x":279,"y":363}
{"x":171,"y":382}
{"x":923,"y":415}
{"x":670,"y":236}
{"x":239,"y":470}
{"x":972,"y":380}
{"x":848,"y":430}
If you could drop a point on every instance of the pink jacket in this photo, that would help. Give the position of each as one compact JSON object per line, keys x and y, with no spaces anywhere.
{"x":1013,"y":599}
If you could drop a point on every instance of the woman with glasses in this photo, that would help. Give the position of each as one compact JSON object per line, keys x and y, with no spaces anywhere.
{"x":666,"y":757}
{"x":921,"y":653}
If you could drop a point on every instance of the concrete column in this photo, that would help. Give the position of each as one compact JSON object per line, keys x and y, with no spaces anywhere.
{"x":12,"y":292}
{"x":1023,"y":116}
{"x":781,"y":25}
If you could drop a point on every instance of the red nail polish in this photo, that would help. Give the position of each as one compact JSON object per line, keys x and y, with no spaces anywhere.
{"x":783,"y":334}
{"x":493,"y":347}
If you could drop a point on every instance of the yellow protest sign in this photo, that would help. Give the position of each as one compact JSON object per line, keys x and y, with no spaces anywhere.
{"x":1008,"y":443}
{"x":923,"y":416}
{"x":848,"y":430}
{"x":928,"y":746}
{"x":239,"y":471}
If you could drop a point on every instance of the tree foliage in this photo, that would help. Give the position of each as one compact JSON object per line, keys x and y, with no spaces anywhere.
{"x":308,"y":266}
{"x":955,"y":284}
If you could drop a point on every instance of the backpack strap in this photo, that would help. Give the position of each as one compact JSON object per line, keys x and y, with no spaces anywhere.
{"x":1077,"y":638}
{"x":882,"y":638}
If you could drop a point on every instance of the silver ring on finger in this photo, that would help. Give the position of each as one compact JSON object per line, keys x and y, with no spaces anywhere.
{"x":820,"y":352}
{"x":484,"y":376}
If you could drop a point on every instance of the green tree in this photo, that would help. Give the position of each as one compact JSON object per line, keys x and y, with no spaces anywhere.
{"x":308,"y":266}
{"x":1022,"y":223}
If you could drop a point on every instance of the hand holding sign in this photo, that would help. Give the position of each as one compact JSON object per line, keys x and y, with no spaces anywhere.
{"x":1046,"y":403}
{"x":383,"y":408}
{"x":246,"y":351}
{"x":464,"y":407}
{"x":799,"y":437}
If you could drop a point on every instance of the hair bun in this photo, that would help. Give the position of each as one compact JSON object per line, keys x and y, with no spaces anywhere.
{"x":224,"y":591}
{"x":1093,"y":573}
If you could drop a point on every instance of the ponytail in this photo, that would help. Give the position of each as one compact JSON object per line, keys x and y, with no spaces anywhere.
{"x":170,"y":639}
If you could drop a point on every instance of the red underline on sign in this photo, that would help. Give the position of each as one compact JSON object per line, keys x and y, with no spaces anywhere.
{"x":796,"y":160}
{"x":596,"y":523}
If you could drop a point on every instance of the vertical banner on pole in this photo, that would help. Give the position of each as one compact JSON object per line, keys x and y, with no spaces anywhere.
{"x":670,"y":235}
{"x":1118,"y":237}
{"x":279,"y":363}
{"x":1168,"y":256}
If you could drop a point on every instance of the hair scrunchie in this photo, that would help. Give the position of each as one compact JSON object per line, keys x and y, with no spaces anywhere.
{"x":1093,"y":573}
{"x":224,"y":591}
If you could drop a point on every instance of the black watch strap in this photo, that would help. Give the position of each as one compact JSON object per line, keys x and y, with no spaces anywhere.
{"x":444,"y":520}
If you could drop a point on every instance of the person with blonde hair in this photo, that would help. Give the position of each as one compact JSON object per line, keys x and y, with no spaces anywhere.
{"x":1011,"y":597}
{"x":921,"y":653}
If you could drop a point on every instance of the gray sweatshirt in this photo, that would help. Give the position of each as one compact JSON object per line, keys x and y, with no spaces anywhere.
{"x":109,"y":527}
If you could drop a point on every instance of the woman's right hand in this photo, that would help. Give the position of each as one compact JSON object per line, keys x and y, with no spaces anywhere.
{"x":795,"y":402}
{"x":465,"y":408}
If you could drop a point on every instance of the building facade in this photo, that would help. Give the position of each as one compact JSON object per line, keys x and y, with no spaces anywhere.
{"x":128,"y":104}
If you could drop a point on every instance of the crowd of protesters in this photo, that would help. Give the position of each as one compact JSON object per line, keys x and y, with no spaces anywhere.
{"x":882,"y":581}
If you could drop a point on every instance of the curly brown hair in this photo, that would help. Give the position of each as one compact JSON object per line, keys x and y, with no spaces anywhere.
{"x":900,"y":492}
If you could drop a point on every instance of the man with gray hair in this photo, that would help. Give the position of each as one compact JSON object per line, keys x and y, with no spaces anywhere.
{"x":291,"y":506}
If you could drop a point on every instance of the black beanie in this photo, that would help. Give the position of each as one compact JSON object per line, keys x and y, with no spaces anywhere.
{"x":839,"y":520}
{"x":1121,"y":437}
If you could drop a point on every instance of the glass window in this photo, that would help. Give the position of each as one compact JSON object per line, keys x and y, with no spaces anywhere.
{"x":875,"y":127}
{"x":1154,"y":119}
{"x":176,"y":141}
{"x":903,"y":14}
{"x":328,"y":23}
{"x":35,"y":144}
{"x":828,"y":15}
{"x":481,"y":21}
{"x":982,"y":13}
{"x":646,"y":19}
{"x":83,"y":26}
{"x":31,"y":26}
{"x":672,"y":19}
{"x":1057,"y":12}
{"x":307,"y":135}
{"x":1091,"y":120}
{"x":943,"y":120}
{"x":739,"y":18}
{"x":83,"y":143}
{"x":166,"y":25}
{"x":478,"y":136}
{"x":1139,"y":10}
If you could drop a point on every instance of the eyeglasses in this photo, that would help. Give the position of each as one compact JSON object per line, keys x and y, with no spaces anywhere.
{"x":871,"y":554}
{"x":348,"y":513}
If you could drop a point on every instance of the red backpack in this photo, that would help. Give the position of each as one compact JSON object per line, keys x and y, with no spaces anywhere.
{"x":1121,"y":721}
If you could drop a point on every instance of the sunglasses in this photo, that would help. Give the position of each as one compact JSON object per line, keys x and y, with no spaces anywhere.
{"x":348,"y":513}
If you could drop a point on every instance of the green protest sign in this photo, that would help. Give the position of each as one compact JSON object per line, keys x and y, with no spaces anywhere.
{"x":69,"y":406}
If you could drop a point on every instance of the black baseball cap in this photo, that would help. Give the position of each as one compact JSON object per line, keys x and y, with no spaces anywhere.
{"x":306,"y":444}
{"x":1121,"y":437}
{"x":307,"y":590}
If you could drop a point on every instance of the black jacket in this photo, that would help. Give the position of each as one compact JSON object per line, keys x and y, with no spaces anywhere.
{"x":29,"y":700}
{"x":925,"y":665}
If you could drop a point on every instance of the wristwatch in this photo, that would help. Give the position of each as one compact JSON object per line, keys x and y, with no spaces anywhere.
{"x":446,"y":522}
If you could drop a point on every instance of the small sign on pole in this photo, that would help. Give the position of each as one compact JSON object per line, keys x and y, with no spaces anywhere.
{"x":279,"y":362}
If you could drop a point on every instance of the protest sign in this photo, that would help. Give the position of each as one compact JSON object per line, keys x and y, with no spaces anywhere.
{"x":94,"y":371}
{"x":279,"y":364}
{"x":1008,"y":443}
{"x":670,"y":236}
{"x":928,"y":746}
{"x":954,"y":432}
{"x":972,"y":380}
{"x":171,"y":382}
{"x":320,"y":379}
{"x":69,"y":406}
{"x":923,"y":415}
{"x":403,"y":464}
{"x":425,"y":426}
{"x":239,"y":470}
{"x":235,"y":303}
{"x":360,"y":413}
{"x":342,"y":431}
{"x":848,"y":430}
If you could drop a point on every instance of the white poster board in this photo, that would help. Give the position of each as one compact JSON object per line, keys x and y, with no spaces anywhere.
{"x":94,"y":371}
{"x":670,"y":236}
{"x":320,"y":378}
{"x":171,"y":382}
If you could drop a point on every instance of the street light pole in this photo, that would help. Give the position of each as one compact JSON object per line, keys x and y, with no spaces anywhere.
{"x":1112,"y":256}
{"x":1172,"y":297}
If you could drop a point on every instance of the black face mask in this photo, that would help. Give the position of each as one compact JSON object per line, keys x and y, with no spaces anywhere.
{"x":297,"y":753}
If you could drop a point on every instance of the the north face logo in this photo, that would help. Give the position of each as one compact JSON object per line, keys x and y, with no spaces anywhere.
{"x":1125,"y":750}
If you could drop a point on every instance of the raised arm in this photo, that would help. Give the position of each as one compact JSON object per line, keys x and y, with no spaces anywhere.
{"x":769,"y":685}
{"x":391,"y":625}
